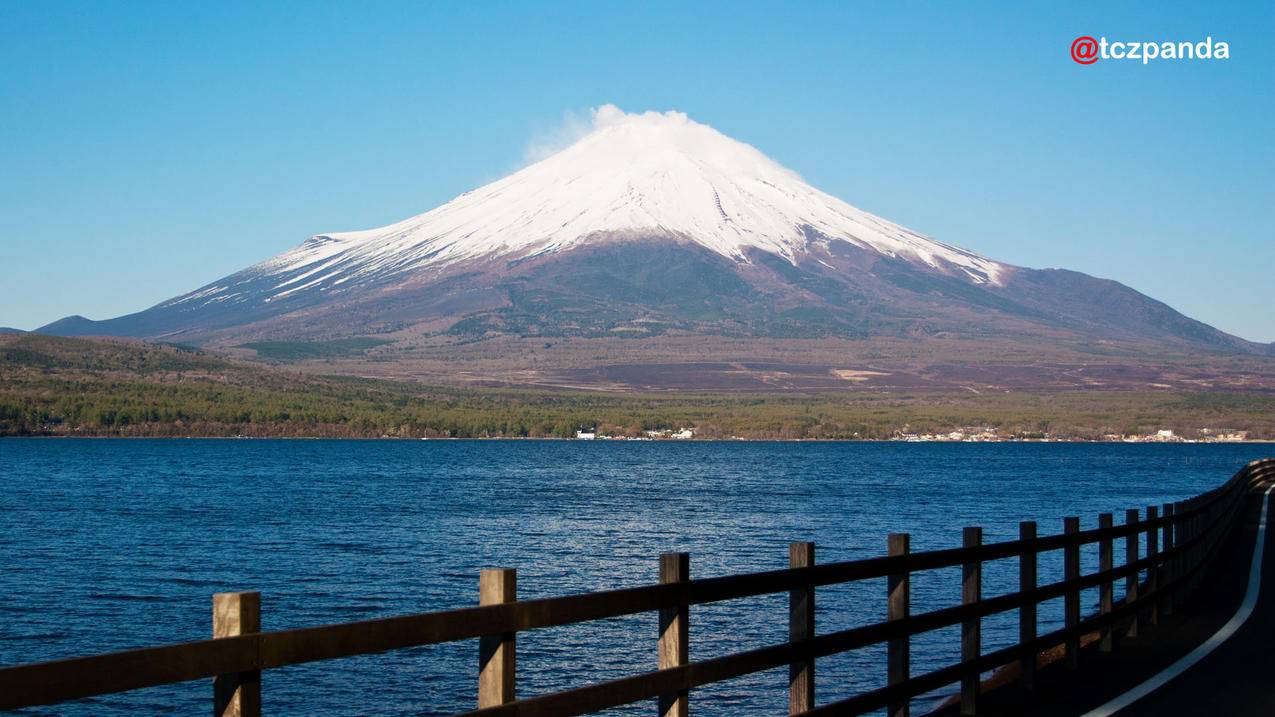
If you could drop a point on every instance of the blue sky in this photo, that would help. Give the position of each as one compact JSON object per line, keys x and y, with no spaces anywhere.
{"x":147,"y":148}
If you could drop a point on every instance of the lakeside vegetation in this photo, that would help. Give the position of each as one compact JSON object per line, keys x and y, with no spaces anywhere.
{"x":82,"y":387}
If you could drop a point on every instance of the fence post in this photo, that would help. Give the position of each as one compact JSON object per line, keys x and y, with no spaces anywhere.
{"x":675,"y":632}
{"x":1198,"y":532}
{"x":237,"y":694}
{"x":496,"y":653}
{"x":898,"y":608}
{"x":1183,"y":538}
{"x":1106,"y":590}
{"x":1201,"y":532}
{"x":1179,"y":563}
{"x":1131,"y":580}
{"x":801,"y":626}
{"x":1071,"y":602}
{"x":1153,"y":571}
{"x":1027,"y":613}
{"x":1197,"y":549}
{"x":1166,"y":569}
{"x":971,"y":630}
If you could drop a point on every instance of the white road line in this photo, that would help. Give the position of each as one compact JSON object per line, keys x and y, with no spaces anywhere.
{"x":1230,"y":628}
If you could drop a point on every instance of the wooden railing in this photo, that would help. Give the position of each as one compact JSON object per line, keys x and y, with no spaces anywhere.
{"x":1180,"y":542}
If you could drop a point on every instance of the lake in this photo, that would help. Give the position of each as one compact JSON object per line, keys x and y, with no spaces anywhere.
{"x":112,"y":544}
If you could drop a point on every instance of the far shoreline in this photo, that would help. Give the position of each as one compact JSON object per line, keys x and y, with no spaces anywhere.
{"x":548,"y":439}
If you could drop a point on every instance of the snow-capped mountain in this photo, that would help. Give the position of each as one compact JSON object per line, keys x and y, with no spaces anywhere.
{"x":647,"y":175}
{"x":650,"y":223}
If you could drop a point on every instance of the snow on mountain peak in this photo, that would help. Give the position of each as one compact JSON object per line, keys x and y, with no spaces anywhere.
{"x":652,"y":175}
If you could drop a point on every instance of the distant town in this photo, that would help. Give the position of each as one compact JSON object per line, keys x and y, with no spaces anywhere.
{"x":991,"y":435}
{"x":682,"y":434}
{"x":984,"y":434}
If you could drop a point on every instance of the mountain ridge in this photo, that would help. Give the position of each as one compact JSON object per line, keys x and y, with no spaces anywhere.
{"x":652,"y":224}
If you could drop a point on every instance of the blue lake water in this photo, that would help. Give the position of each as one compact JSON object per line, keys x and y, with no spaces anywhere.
{"x":112,"y":544}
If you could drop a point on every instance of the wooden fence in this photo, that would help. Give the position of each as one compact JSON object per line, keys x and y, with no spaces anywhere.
{"x":1171,"y":547}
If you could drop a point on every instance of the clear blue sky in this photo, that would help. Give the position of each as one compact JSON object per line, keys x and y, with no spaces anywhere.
{"x":147,"y":148}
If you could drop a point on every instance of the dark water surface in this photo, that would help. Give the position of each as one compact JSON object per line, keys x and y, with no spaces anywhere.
{"x":109,"y":544}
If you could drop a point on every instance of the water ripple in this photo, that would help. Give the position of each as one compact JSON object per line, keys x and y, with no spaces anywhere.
{"x":109,"y":545}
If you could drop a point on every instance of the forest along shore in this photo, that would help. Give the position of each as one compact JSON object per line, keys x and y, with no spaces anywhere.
{"x":54,"y":386}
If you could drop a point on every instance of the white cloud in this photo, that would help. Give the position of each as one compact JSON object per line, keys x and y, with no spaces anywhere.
{"x":576,"y":125}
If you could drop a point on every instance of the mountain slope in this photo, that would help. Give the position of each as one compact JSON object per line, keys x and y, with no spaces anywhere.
{"x":650,"y":224}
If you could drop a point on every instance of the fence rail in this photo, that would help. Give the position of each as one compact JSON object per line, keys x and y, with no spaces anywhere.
{"x":1180,"y":541}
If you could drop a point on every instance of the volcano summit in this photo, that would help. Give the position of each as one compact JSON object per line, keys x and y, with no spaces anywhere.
{"x":652,"y":225}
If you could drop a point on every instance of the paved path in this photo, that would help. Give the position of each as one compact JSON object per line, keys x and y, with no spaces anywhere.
{"x":1236,"y":678}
